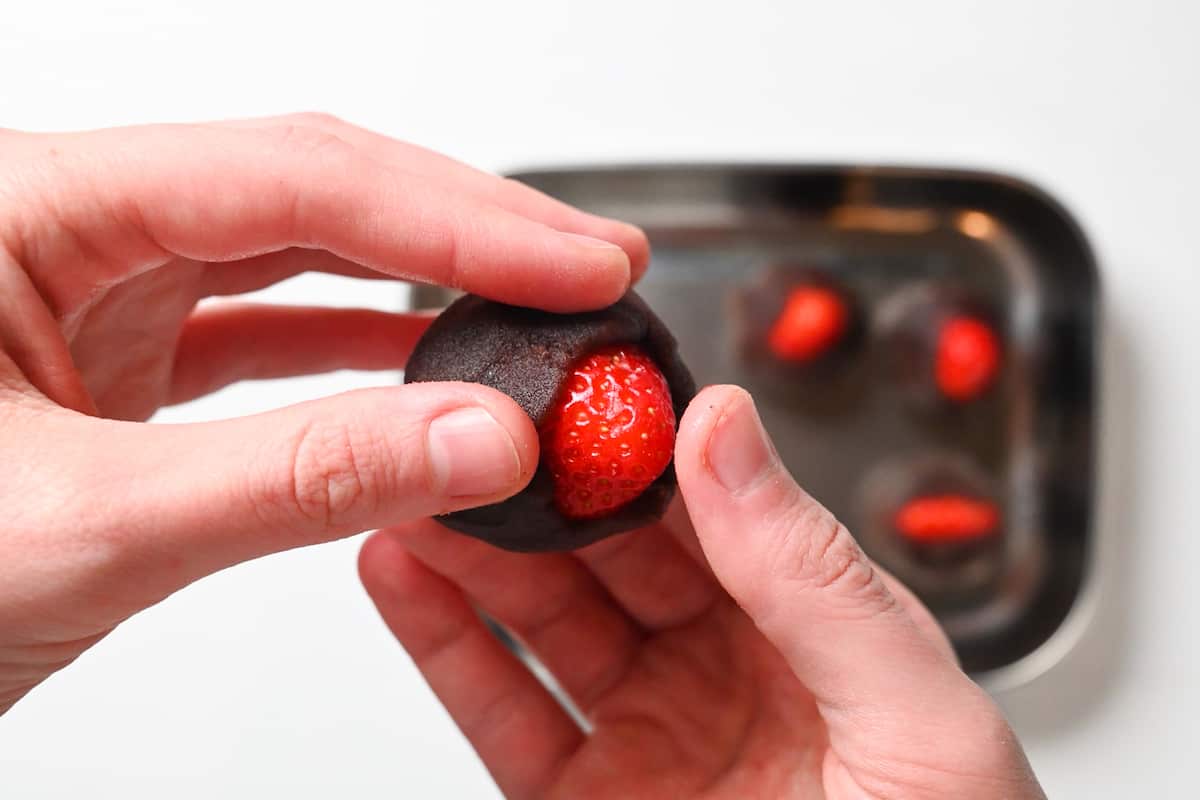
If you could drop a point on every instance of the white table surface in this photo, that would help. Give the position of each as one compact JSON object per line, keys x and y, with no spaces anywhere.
{"x":276,"y":678}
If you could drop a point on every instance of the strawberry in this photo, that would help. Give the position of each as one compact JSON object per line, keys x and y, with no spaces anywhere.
{"x":610,"y":432}
{"x":940,"y":519}
{"x":813,"y":320}
{"x":967,"y":358}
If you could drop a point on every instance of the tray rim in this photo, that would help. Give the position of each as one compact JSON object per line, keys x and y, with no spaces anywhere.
{"x":1086,"y":601}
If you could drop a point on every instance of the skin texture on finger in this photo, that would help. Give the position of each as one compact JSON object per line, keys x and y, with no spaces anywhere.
{"x":883,"y":688}
{"x":123,"y":346}
{"x":23,"y":667}
{"x":486,"y":187}
{"x":549,"y":600}
{"x":226,"y":343}
{"x":650,"y":575}
{"x":258,"y":272}
{"x":678,"y":526}
{"x":172,"y":503}
{"x":218,"y":194}
{"x":921,"y":616}
{"x":516,"y":727}
{"x":33,"y":343}
{"x":706,"y":711}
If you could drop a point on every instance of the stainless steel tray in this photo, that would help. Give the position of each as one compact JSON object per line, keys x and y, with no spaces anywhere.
{"x":886,"y":233}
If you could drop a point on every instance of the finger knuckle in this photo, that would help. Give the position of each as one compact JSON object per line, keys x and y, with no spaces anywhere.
{"x":308,"y":141}
{"x":451,"y":255}
{"x":23,"y":674}
{"x":516,"y":190}
{"x":495,"y":716}
{"x":9,"y":695}
{"x":815,"y":550}
{"x":332,"y":474}
{"x":314,"y":119}
{"x":987,"y":763}
{"x":296,"y":149}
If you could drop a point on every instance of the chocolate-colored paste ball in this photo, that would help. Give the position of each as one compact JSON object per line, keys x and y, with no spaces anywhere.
{"x":761,"y":314}
{"x":527,"y":354}
{"x":912,"y":325}
{"x":825,"y":375}
{"x":947,"y":575}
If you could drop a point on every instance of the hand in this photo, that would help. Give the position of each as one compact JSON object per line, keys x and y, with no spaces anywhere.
{"x":794,"y":668}
{"x":107,"y":242}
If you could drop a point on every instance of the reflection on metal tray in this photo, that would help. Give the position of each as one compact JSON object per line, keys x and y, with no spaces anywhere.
{"x":887,"y":235}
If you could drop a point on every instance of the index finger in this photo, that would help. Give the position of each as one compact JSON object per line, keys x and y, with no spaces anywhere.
{"x":484,"y":186}
{"x":114,"y":203}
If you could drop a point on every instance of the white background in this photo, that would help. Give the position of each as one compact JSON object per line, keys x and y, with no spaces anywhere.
{"x":276,"y":678}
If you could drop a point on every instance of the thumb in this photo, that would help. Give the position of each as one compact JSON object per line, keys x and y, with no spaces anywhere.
{"x":205,"y":496}
{"x":800,"y":576}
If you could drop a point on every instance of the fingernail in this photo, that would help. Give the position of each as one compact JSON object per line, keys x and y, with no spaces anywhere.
{"x":471,"y":453}
{"x":588,"y":241}
{"x":739,"y":453}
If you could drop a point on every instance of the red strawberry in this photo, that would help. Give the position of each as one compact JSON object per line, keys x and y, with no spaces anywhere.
{"x":967,"y":358}
{"x":812,"y":321}
{"x":610,"y":433}
{"x":935,"y":519}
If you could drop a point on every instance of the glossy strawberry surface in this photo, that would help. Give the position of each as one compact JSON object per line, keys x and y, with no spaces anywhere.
{"x":610,"y":432}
